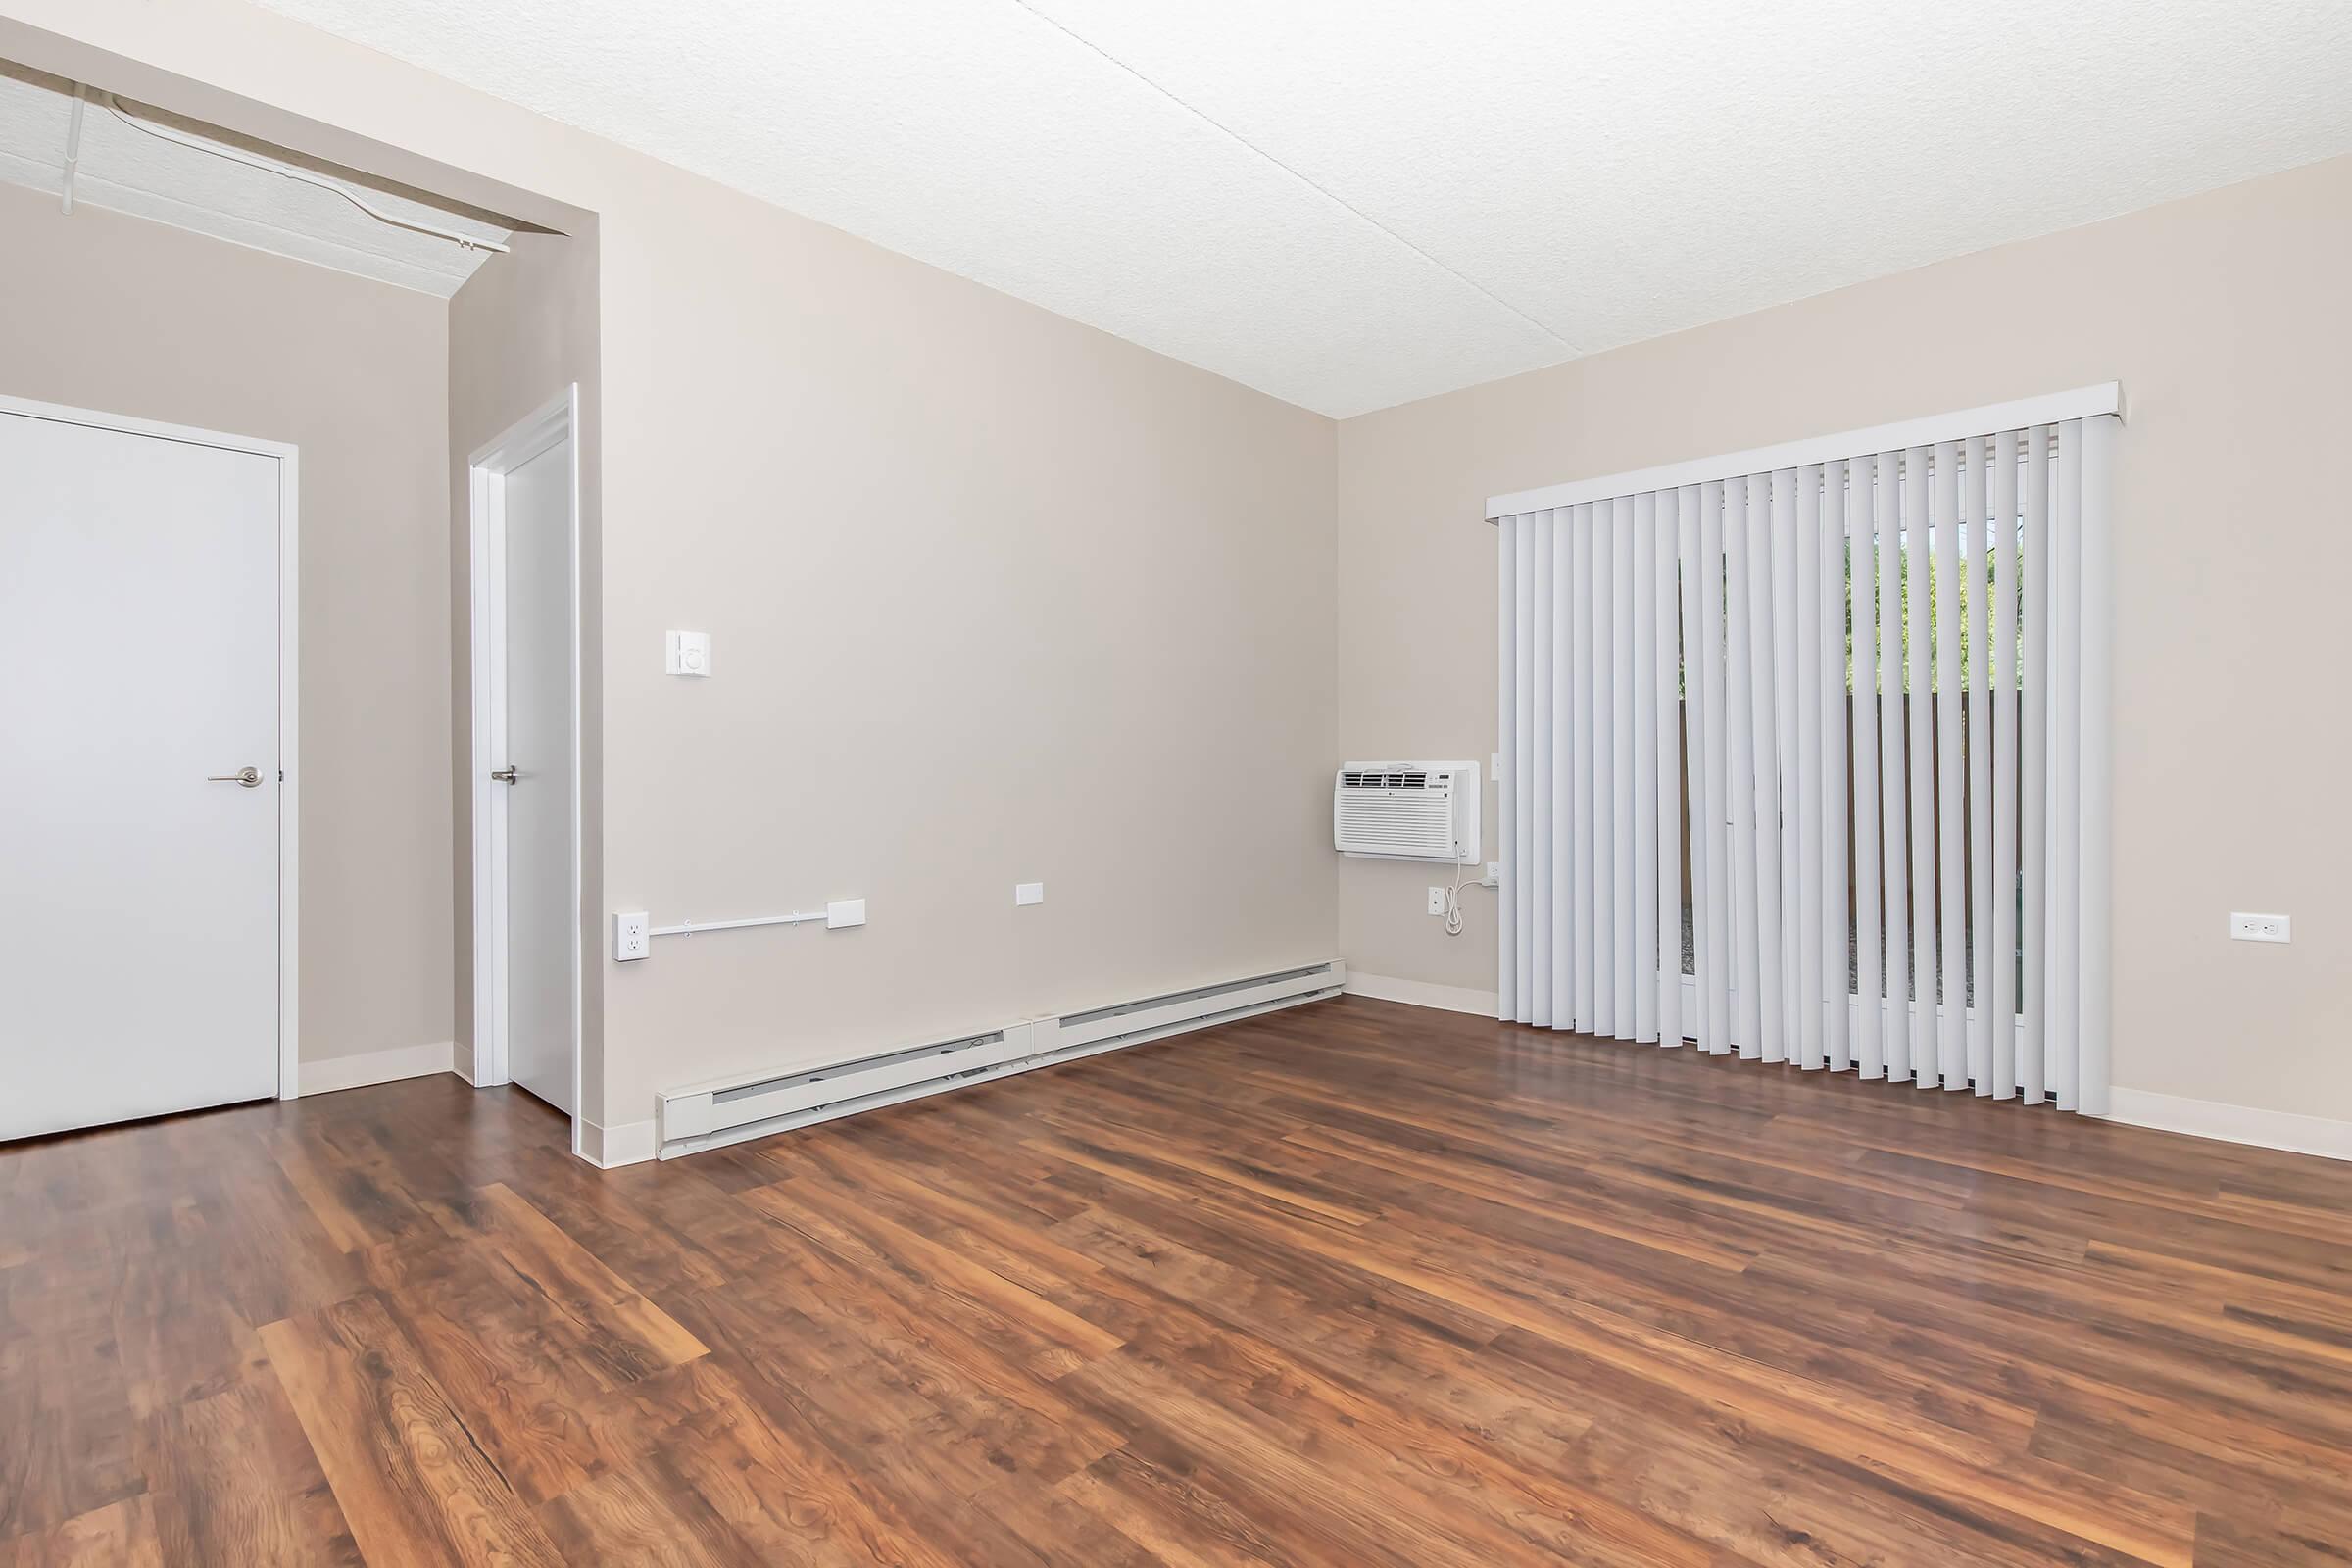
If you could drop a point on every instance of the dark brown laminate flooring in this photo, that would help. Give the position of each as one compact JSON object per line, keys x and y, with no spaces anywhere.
{"x":1355,"y":1283}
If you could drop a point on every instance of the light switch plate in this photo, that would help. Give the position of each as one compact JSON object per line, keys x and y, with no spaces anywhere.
{"x":2261,"y":928}
{"x":686,"y":652}
{"x":845,"y":913}
{"x":632,"y":937}
{"x":1029,"y":893}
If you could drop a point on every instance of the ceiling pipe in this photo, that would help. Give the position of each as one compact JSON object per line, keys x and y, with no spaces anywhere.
{"x":73,"y":151}
{"x":109,"y":102}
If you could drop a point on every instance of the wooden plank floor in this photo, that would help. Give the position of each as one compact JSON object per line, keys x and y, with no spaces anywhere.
{"x":1356,"y":1284}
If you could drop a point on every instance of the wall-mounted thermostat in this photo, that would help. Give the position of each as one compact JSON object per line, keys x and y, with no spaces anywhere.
{"x":687,"y":652}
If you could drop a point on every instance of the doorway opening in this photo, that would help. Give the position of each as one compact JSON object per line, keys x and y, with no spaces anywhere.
{"x":524,"y":490}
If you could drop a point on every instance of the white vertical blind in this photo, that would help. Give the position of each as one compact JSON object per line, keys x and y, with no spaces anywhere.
{"x":1621,"y":765}
{"x":1541,"y":667}
{"x":2032,"y":1070}
{"x":1945,"y":638}
{"x":1919,"y":675}
{"x":1870,"y":1019}
{"x":1580,"y":595}
{"x":2008,"y":452}
{"x":1674,"y":509}
{"x":1642,"y":956}
{"x":1875,"y":685}
{"x":1829,"y":737}
{"x":1894,"y":809}
{"x":1977,"y":684}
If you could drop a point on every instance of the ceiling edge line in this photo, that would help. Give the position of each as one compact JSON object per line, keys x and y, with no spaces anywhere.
{"x":1329,"y":195}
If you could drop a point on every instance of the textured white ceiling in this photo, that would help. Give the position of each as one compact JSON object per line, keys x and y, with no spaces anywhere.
{"x":1351,"y":202}
{"x":131,"y":172}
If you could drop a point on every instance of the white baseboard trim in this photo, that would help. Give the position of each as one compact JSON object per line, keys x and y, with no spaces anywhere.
{"x":1420,"y":992}
{"x":2287,"y":1130}
{"x":376,"y":1067}
{"x":631,"y":1142}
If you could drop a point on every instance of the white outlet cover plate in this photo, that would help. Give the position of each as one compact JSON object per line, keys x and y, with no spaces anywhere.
{"x":1437,"y":900}
{"x":632,"y":937}
{"x":1029,"y":893}
{"x":2261,"y":928}
{"x":843,"y":913}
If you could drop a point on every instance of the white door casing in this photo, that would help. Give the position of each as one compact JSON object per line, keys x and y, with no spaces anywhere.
{"x":147,"y":951}
{"x":525,"y":681}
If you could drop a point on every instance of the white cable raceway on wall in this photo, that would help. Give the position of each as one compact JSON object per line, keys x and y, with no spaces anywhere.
{"x":1971,"y":823}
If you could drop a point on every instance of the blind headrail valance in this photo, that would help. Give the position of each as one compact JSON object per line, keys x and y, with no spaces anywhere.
{"x":2052,"y":408}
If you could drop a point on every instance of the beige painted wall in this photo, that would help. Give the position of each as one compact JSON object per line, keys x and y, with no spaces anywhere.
{"x":130,"y":317}
{"x":2227,"y":320}
{"x":522,"y":329}
{"x":993,"y":596}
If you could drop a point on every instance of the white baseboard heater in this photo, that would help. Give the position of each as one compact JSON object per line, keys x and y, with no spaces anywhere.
{"x":712,"y":1115}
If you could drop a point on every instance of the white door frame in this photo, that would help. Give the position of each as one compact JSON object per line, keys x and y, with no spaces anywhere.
{"x":553,"y":420}
{"x":290,"y":711}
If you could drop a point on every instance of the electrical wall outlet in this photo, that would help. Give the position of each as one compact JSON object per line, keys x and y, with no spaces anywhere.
{"x":2260,"y":928}
{"x":1437,"y":900}
{"x":1029,"y":893}
{"x":632,"y":937}
{"x":1495,"y":874}
{"x":845,"y":913}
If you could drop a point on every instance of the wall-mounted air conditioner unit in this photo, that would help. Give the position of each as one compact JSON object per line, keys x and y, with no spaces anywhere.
{"x":1406,"y":811}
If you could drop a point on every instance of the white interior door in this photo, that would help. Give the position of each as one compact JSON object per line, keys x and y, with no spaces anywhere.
{"x":138,"y":667}
{"x":542,"y":988}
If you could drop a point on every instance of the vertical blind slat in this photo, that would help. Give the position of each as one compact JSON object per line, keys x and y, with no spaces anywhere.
{"x":1803,"y":686}
{"x":1830,"y":732}
{"x":1674,"y":509}
{"x":1870,"y":1035}
{"x":1771,"y":995}
{"x":1579,"y":777}
{"x":1642,"y":683}
{"x":2062,"y":1042}
{"x":1893,"y":802}
{"x":1523,"y":768}
{"x":2007,"y":453}
{"x":1713,"y":822}
{"x":1918,"y":711}
{"x":1603,"y":771}
{"x":2033,"y":1066}
{"x":1543,"y":818}
{"x":1620,"y":762}
{"x":1977,"y":684}
{"x":1506,"y":611}
{"x":1558,"y":961}
{"x":1950,"y":990}
{"x":1740,"y":770}
{"x":2094,"y":654}
{"x":1784,"y":823}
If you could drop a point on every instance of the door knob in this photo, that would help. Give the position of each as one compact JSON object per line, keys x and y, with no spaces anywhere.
{"x":504,"y":775}
{"x":250,"y":777}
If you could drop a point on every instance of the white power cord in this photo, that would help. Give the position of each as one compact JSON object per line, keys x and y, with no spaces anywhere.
{"x":1453,"y":898}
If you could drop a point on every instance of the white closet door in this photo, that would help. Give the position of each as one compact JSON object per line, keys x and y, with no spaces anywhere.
{"x":138,"y":624}
{"x":542,"y":919}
